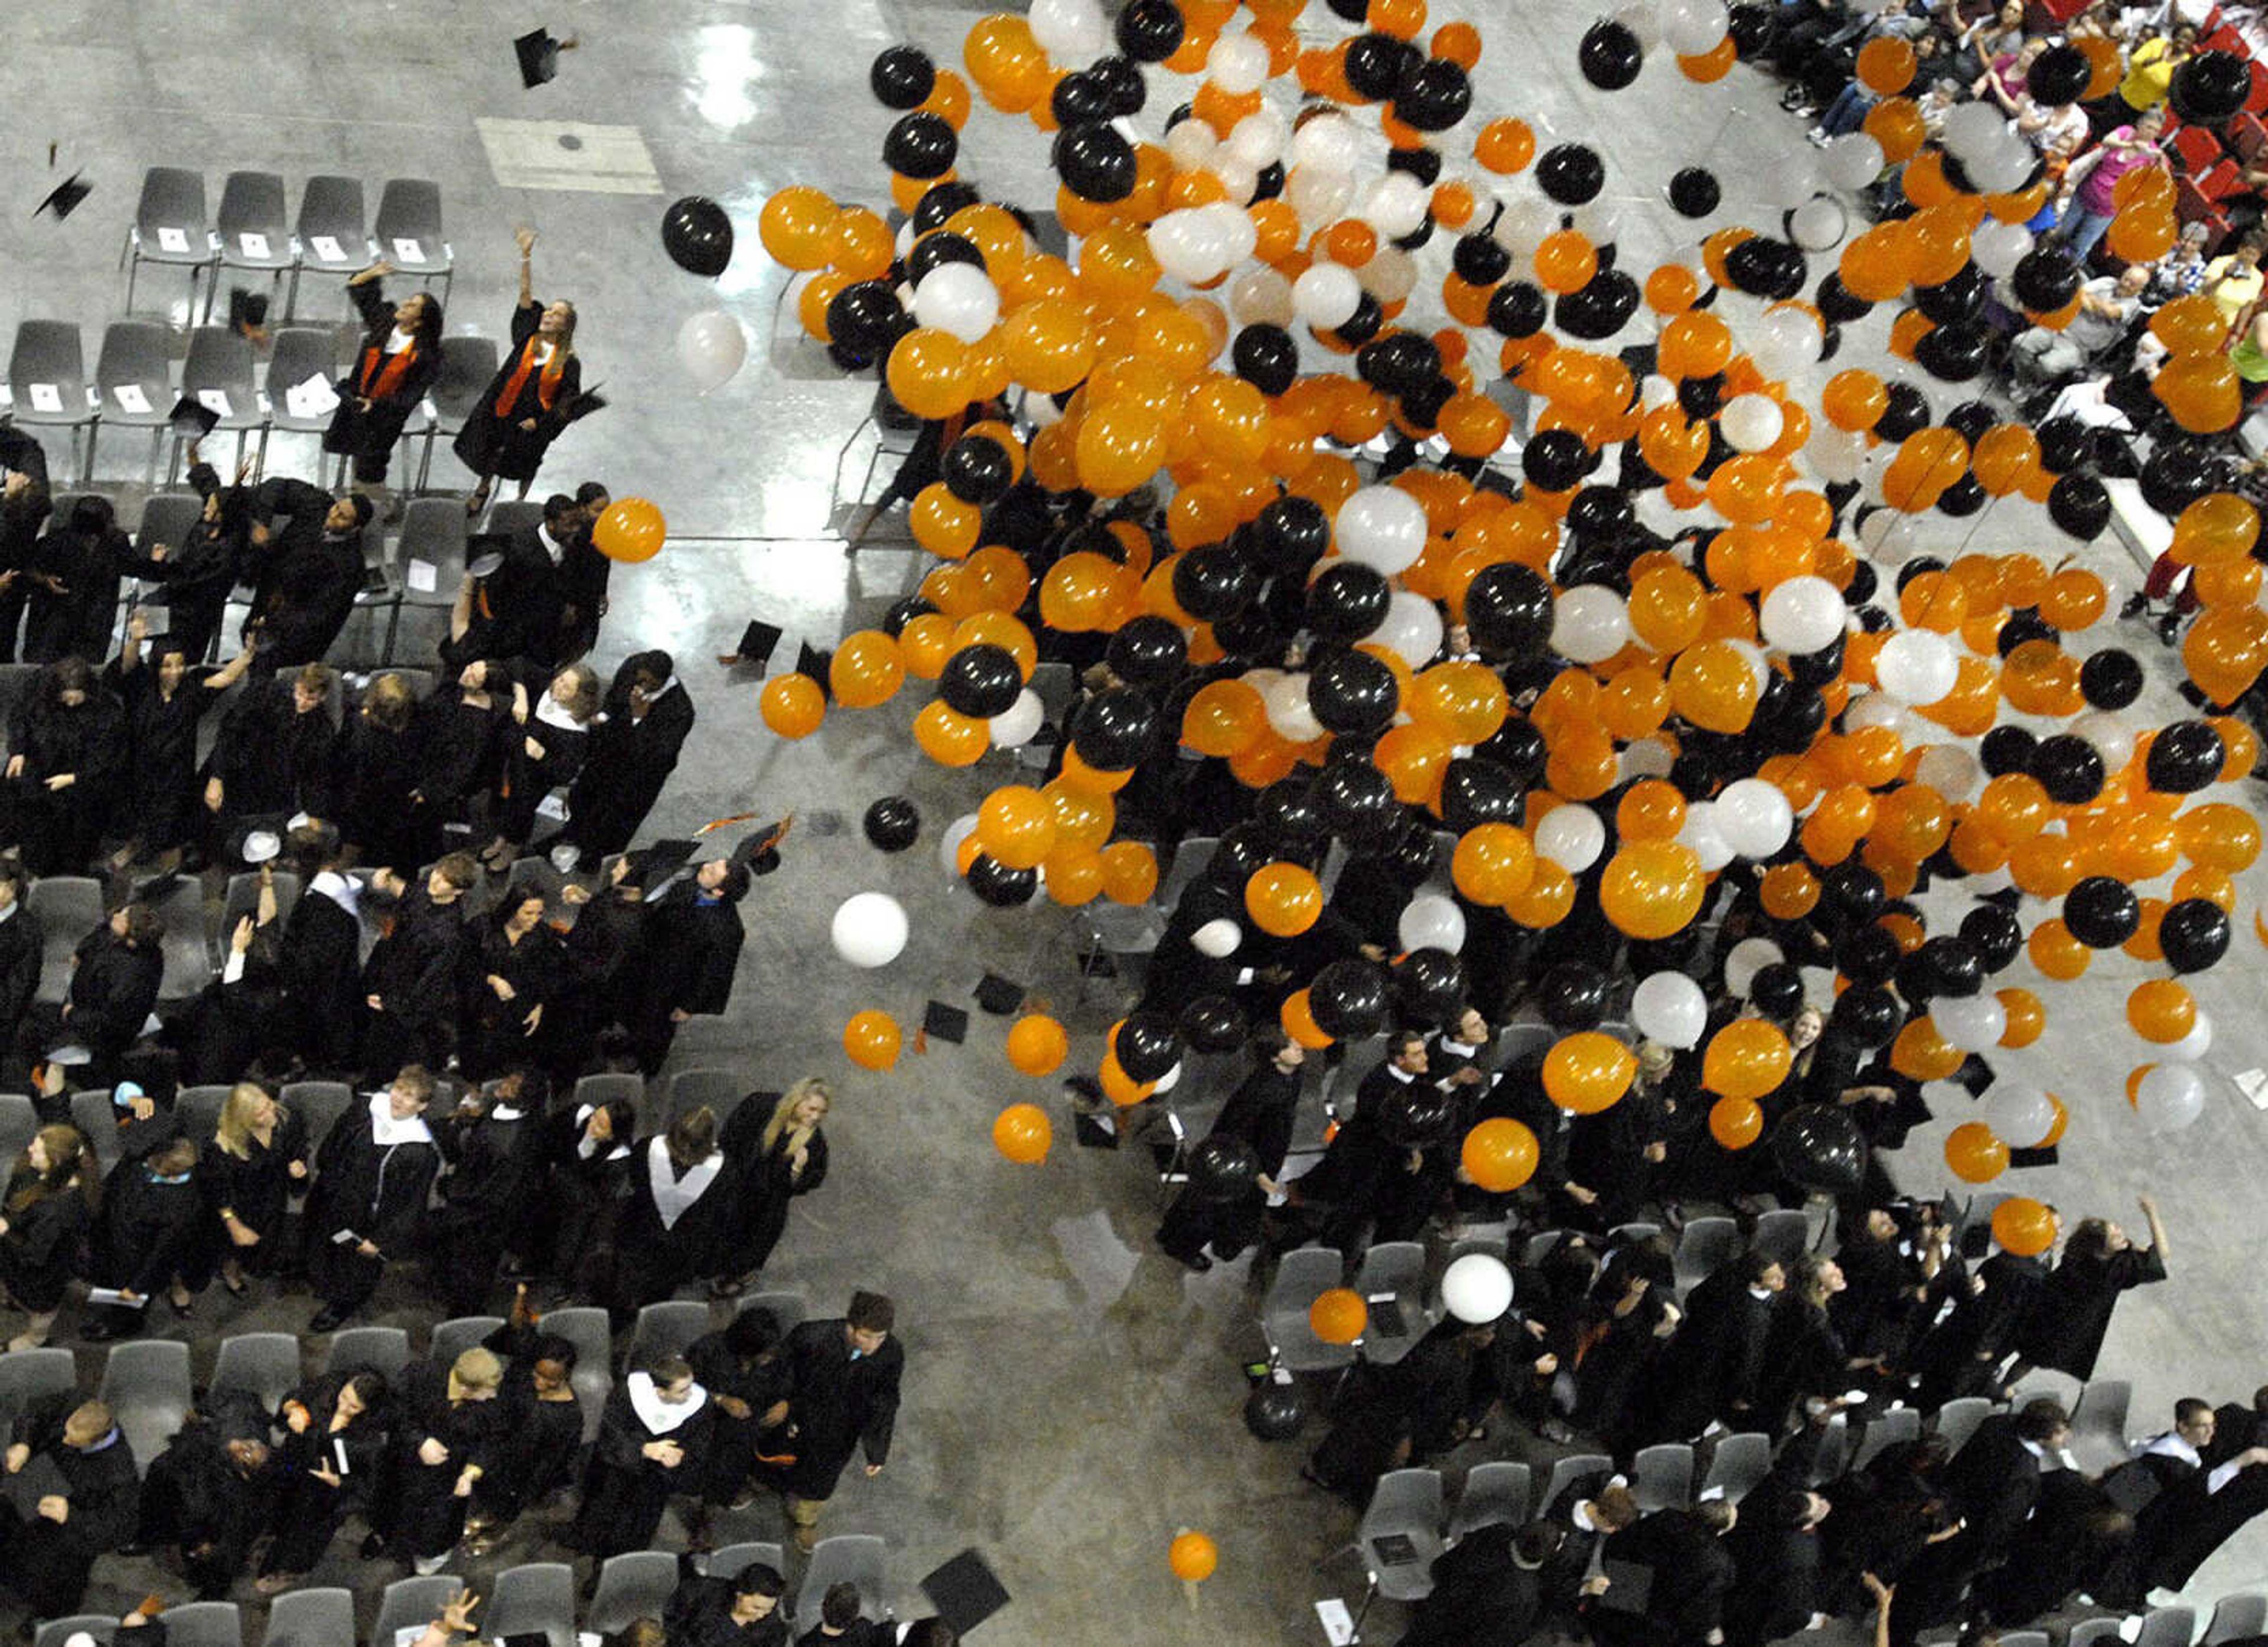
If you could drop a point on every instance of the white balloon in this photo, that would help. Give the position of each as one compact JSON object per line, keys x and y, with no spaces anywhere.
{"x":1184,"y":244}
{"x":1644,"y":21}
{"x":1330,"y":141}
{"x":1573,"y":837}
{"x":1700,"y":835}
{"x":1190,"y":150}
{"x":1693,"y":28}
{"x":959,"y":298}
{"x":1897,"y":539}
{"x":1286,"y":699}
{"x":1319,"y":193}
{"x":2020,"y":1114}
{"x":1382,"y":527}
{"x":1412,"y":629}
{"x":1394,"y":204}
{"x":949,"y":845}
{"x":1974,"y":1024}
{"x":1970,"y":129}
{"x":1261,"y":297}
{"x":1999,"y":246}
{"x":2196,"y":1044}
{"x":1589,"y":624}
{"x":1917,"y":666}
{"x":2112,"y":737}
{"x":1430,"y":921}
{"x":1670,"y":1008}
{"x":1792,"y":179}
{"x":1951,"y":770}
{"x":1876,"y":709}
{"x":1644,"y":758}
{"x":1601,"y":222}
{"x":1258,"y":138}
{"x":1020,"y":722}
{"x":1237,"y":64}
{"x":1239,"y":178}
{"x":1754,"y":817}
{"x":1655,"y":392}
{"x":1784,"y":341}
{"x":1390,"y":275}
{"x":1326,"y":295}
{"x":1071,"y":31}
{"x":2170,"y":1096}
{"x":1232,"y":229}
{"x":1476,"y":1289}
{"x":1523,"y":227}
{"x":1218,"y":938}
{"x":1750,"y":422}
{"x":1803,"y":615}
{"x":2004,"y":165}
{"x":711,"y":347}
{"x":1835,"y":454}
{"x":1745,"y":959}
{"x":1854,"y":160}
{"x":1820,"y":224}
{"x":869,"y":929}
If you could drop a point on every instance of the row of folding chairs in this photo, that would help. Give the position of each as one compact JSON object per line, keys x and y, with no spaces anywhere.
{"x":254,"y":233}
{"x":534,"y":1599}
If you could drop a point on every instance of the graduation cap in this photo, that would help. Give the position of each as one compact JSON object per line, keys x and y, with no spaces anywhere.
{"x":63,"y":199}
{"x":539,"y":57}
{"x":946,"y":1022}
{"x":2040,"y":1155}
{"x":757,"y":642}
{"x":964,"y":1592}
{"x":583,"y":405}
{"x":651,"y":863}
{"x":809,"y":660}
{"x":248,"y":311}
{"x":2133,"y":1487}
{"x":999,"y":996}
{"x":484,"y":552}
{"x":192,"y":419}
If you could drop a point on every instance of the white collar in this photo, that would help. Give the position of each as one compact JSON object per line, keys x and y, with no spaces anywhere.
{"x":1399,"y":1073}
{"x":1458,"y":1048}
{"x":672,"y":1195}
{"x":339,"y":889}
{"x":505,"y":1112}
{"x":1761,"y":1295}
{"x":2170,"y":1445}
{"x":586,"y":1146}
{"x":397,"y":340}
{"x":9,"y":914}
{"x":2034,"y":1448}
{"x":667,"y":686}
{"x":388,"y":1132}
{"x":659,"y":1416}
{"x":551,"y":712}
{"x":552,"y":547}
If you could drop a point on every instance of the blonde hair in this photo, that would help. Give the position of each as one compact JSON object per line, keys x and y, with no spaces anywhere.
{"x":234,"y":1132}
{"x":798,"y":1136}
{"x":476,"y":1369}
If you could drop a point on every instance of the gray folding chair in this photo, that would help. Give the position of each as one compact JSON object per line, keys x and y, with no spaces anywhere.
{"x":2235,"y":1617}
{"x":318,"y":1104}
{"x":729,"y":1561}
{"x":243,"y":898}
{"x":1407,"y":1503}
{"x":1738,"y":1463}
{"x":330,"y":238}
{"x":20,"y":1118}
{"x":321,"y":1617}
{"x":1516,"y":1041}
{"x":508,"y":516}
{"x":134,"y":376}
{"x":453,"y":1337}
{"x":168,"y":518}
{"x":1957,"y":1420}
{"x":56,"y":1632}
{"x":2167,"y":1627}
{"x":1661,"y":1477}
{"x":1638,"y":1230}
{"x":534,"y":1599}
{"x":719,"y":1090}
{"x":69,"y":907}
{"x":2022,"y":1638}
{"x":848,"y":1558}
{"x":413,"y":1603}
{"x":170,"y":226}
{"x":1704,"y":1247}
{"x":1784,"y":1233}
{"x":1394,"y":1271}
{"x":218,"y":374}
{"x":2098,"y":1424}
{"x":27,"y":1376}
{"x":788,"y":1308}
{"x":409,"y":231}
{"x":188,"y":965}
{"x":600,"y":1090}
{"x":668,"y":1328}
{"x":1495,"y":1494}
{"x":1884,"y":1431}
{"x":198,"y":1110}
{"x":1304,"y":1276}
{"x":635,"y":1586}
{"x":300,"y":352}
{"x":384,"y":1350}
{"x":585,"y":1326}
{"x":47,"y":382}
{"x":204,"y":1624}
{"x":97,"y":1121}
{"x":1533,"y":1252}
{"x":256,"y":232}
{"x":431,"y":557}
{"x":1566,"y":1472}
{"x":2095,"y":1633}
{"x":1833,"y":1457}
{"x":146,"y":1384}
{"x":265,"y":1365}
{"x":468,"y":365}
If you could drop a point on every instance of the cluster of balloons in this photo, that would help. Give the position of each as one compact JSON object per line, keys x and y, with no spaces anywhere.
{"x":1328,"y":247}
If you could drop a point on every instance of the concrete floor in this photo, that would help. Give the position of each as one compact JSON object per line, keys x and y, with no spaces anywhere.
{"x":1072,"y":1397}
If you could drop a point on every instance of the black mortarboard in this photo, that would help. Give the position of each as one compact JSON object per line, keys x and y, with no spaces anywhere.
{"x":946,"y":1022}
{"x":758,"y":851}
{"x":192,"y":419}
{"x":757,"y":642}
{"x":964,"y":1592}
{"x":247,"y":309}
{"x":809,"y":660}
{"x":2043,"y":1155}
{"x":584,"y":404}
{"x":63,"y":198}
{"x":539,"y":58}
{"x":484,"y":552}
{"x":651,"y":863}
{"x":1974,"y":1074}
{"x":2133,"y":1487}
{"x":999,"y":996}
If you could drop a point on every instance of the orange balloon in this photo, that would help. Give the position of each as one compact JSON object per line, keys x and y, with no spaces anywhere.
{"x":1920,"y":1054}
{"x":1037,"y":1045}
{"x":2055,"y":952}
{"x":1499,"y":1155}
{"x":1550,"y":898}
{"x":1297,"y":1016}
{"x":1650,"y":810}
{"x":2024,"y":1226}
{"x":1493,"y":862}
{"x":2026,"y":1017}
{"x":632,"y":530}
{"x":792,"y":705}
{"x":1283,"y":899}
{"x":1338,"y":1316}
{"x":1789,"y":891}
{"x":1748,"y":1058}
{"x":1736,"y":1123}
{"x":949,"y":738}
{"x":865,"y":670}
{"x":1129,"y":872}
{"x":1588,"y":1071}
{"x":1652,"y":888}
{"x":1022,"y":1133}
{"x":1193,"y":1556}
{"x":2161,"y":1010}
{"x":1016,"y":827}
{"x":872,"y":1039}
{"x":1974,"y":1154}
{"x":1119,"y":1087}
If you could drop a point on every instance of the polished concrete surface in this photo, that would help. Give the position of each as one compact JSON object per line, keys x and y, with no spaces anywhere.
{"x":1071,"y":1396}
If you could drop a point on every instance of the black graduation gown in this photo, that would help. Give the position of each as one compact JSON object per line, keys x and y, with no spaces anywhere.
{"x":378,"y":768}
{"x":369,"y":436}
{"x":604,"y":954}
{"x":494,"y":1036}
{"x":839,"y":1405}
{"x":196,"y":1497}
{"x":256,"y":1187}
{"x":45,"y":1246}
{"x":2186,"y":1543}
{"x":494,"y":1170}
{"x":158,"y":804}
{"x":272,"y":760}
{"x":102,"y":1482}
{"x":199,"y":572}
{"x":1959,"y":1355}
{"x":625,"y":1492}
{"x":376,"y":1190}
{"x":416,"y":970}
{"x":45,"y":1564}
{"x":59,"y":829}
{"x":692,"y":945}
{"x":23,"y":946}
{"x":149,"y":1231}
{"x":424,"y":1514}
{"x":766,"y":1181}
{"x":494,"y":444}
{"x":651,"y":1259}
{"x":460,"y":758}
{"x":113,"y":990}
{"x":1260,"y":1113}
{"x":77,"y":623}
{"x":1715,"y":1361}
{"x":541,"y":1438}
{"x":1481,"y":1596}
{"x":20,"y":516}
{"x":623,"y":773}
{"x":308,"y":1510}
{"x":529,"y":778}
{"x":2055,"y":1553}
{"x":699,"y":1614}
{"x":322,"y":982}
{"x":2064,"y":1328}
{"x":735,"y":1443}
{"x":583,"y":576}
{"x":586,"y":1198}
{"x":306,"y":579}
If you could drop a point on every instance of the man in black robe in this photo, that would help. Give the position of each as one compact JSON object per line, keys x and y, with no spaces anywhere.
{"x":633,"y":750}
{"x":213,"y":1491}
{"x":320,"y":962}
{"x":845,"y":1375}
{"x":652,"y":1441}
{"x":1258,"y":1116}
{"x":584,"y":574}
{"x":275,"y":756}
{"x":746,"y":1371}
{"x":310,"y":570}
{"x":692,"y":944}
{"x":1714,"y":1365}
{"x":450,"y":1432}
{"x":741,"y":1611}
{"x":1488,"y":1589}
{"x":45,"y":1557}
{"x":495,"y":1168}
{"x":412,"y":979}
{"x":368,"y":1206}
{"x":84,"y":1444}
{"x":115,"y":973}
{"x":1692,"y":1574}
{"x":1993,"y":1483}
{"x":545,"y":1428}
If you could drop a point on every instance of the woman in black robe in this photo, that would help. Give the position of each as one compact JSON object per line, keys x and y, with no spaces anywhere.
{"x":692,"y":946}
{"x":399,"y":361}
{"x":511,"y":969}
{"x":588,"y":1163}
{"x":75,"y":570}
{"x":157,"y":802}
{"x":334,"y":1448}
{"x":2066,"y":1329}
{"x":532,"y":398}
{"x":680,"y":1206}
{"x":379,"y":771}
{"x":461,"y":756}
{"x":544,"y":750}
{"x":778,"y":1151}
{"x":256,"y":1158}
{"x":214,"y":555}
{"x":652,"y":1442}
{"x":745,"y":1371}
{"x":1259,"y":1116}
{"x":546,"y":1428}
{"x":45,"y":1215}
{"x":149,"y":1237}
{"x":446,"y":1422}
{"x":275,"y":754}
{"x":410,"y":981}
{"x":69,"y":746}
{"x":632,"y":751}
{"x":605,"y":952}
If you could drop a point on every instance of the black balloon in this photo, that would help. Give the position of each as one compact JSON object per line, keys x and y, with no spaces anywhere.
{"x":2024,"y":626}
{"x":2193,"y":934}
{"x":1480,"y":259}
{"x":1430,"y":984}
{"x":1837,"y":303}
{"x":1609,"y":57}
{"x":1866,"y":1015}
{"x":980,"y":680}
{"x":1292,"y":534}
{"x":1081,"y":99}
{"x":1417,"y":1116}
{"x":698,"y":236}
{"x":1556,"y":459}
{"x":2211,"y":86}
{"x":921,"y":147}
{"x":2111,"y":679}
{"x":1121,"y":81}
{"x":935,"y":251}
{"x":1214,"y":585}
{"x":1114,"y":729}
{"x":1350,"y":998}
{"x":1600,"y":308}
{"x":1213,"y":1023}
{"x":902,"y":612}
{"x":2078,"y":504}
{"x":997,"y":885}
{"x":1347,"y":600}
{"x":1357,"y":799}
{"x":1853,"y":891}
{"x":1994,"y":933}
{"x":2100,"y":912}
{"x":2069,"y":768}
{"x":2057,"y":76}
{"x":940,"y":201}
{"x":1376,"y":64}
{"x":1435,"y":96}
{"x":1694,"y":192}
{"x":1954,"y":354}
{"x":1573,"y":995}
{"x":977,"y":469}
{"x":2046,"y":278}
{"x":1149,"y":31}
{"x":1777,"y":990}
{"x":1369,"y":315}
{"x":1518,"y":748}
{"x":1819,"y":1146}
{"x":1867,"y":955}
{"x":1288,"y":808}
{"x":1398,"y":362}
{"x":866,"y":317}
{"x":1572,"y":174}
{"x":1907,"y":413}
{"x":1949,"y":301}
{"x":893,"y":823}
{"x":1221,"y":1167}
{"x":1266,"y":357}
{"x":2185,"y":758}
{"x":1752,"y":27}
{"x":2176,"y":475}
{"x":1275,"y":1410}
{"x":2007,"y":749}
{"x":1148,"y":650}
{"x":1476,"y":791}
{"x":1353,"y":692}
{"x":1147,"y":1046}
{"x":1424,"y":165}
{"x":2064,"y":443}
{"x":1095,"y":162}
{"x":902,"y":77}
{"x":1517,"y":309}
{"x":1955,"y":968}
{"x":1767,"y":266}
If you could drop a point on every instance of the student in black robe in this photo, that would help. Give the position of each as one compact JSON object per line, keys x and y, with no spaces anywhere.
{"x":275,"y":754}
{"x":411,"y":980}
{"x":68,"y":745}
{"x":544,"y":1433}
{"x":1488,"y":1589}
{"x":589,"y":1163}
{"x":1714,"y":1365}
{"x":2064,"y":1329}
{"x":115,"y":973}
{"x":24,"y":504}
{"x":1777,"y":1549}
{"x":632,"y":752}
{"x":2075,"y":1539}
{"x":378,"y":754}
{"x":2234,"y":1477}
{"x":83,"y":1443}
{"x":157,"y":811}
{"x":237,"y":1015}
{"x":334,"y":1454}
{"x":511,"y":968}
{"x":460,"y":733}
{"x":692,"y":943}
{"x":373,"y":1176}
{"x":148,"y":1237}
{"x":532,"y":398}
{"x":45,"y":1557}
{"x":449,"y":1430}
{"x":745,"y":1370}
{"x":23,"y":951}
{"x":583,"y":577}
{"x":1806,"y":1359}
{"x":399,"y":361}
{"x":212,"y":1493}
{"x":320,"y":962}
{"x":256,"y":1159}
{"x":845,"y":1374}
{"x":1259,"y":1115}
{"x":651,"y":1442}
{"x":778,"y":1151}
{"x":513,"y":611}
{"x":47,"y":1213}
{"x":1693,"y":1576}
{"x":678,"y":1214}
{"x":544,"y":750}
{"x":307,"y":573}
{"x":197,"y":574}
{"x":741,"y":1610}
{"x":1621,"y":1333}
{"x":76,"y":571}
{"x":495,"y":1164}
{"x":1993,"y":1484}
{"x":605,"y":952}
{"x":1963,"y":1353}
{"x":841,"y":1626}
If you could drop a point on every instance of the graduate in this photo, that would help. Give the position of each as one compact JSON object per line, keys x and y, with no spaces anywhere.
{"x":605,"y":956}
{"x":746,"y":1375}
{"x":634,"y":749}
{"x":115,"y":972}
{"x":779,"y":1150}
{"x":148,"y":1237}
{"x":46,"y":1213}
{"x":532,"y":396}
{"x":545,"y":1430}
{"x":83,"y":1441}
{"x":741,"y":1611}
{"x":378,"y":755}
{"x":398,"y":361}
{"x":307,"y":571}
{"x":512,"y":968}
{"x":197,"y":574}
{"x":692,"y":945}
{"x":275,"y":752}
{"x":449,"y":1430}
{"x":1258,"y":1113}
{"x":543,"y":751}
{"x":845,"y":1374}
{"x":75,"y":571}
{"x":323,"y":1003}
{"x":652,"y":1441}
{"x":588,"y":1163}
{"x":678,"y":1211}
{"x":411,"y":978}
{"x":373,"y":1176}
{"x":164,"y":704}
{"x":461,"y":747}
{"x":212,"y":1493}
{"x":334,"y":1454}
{"x":256,"y":1159}
{"x":67,"y":743}
{"x":492,"y":1142}
{"x":22,"y":945}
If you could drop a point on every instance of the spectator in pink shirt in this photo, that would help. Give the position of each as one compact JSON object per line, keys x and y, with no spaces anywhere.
{"x":2090,"y":187}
